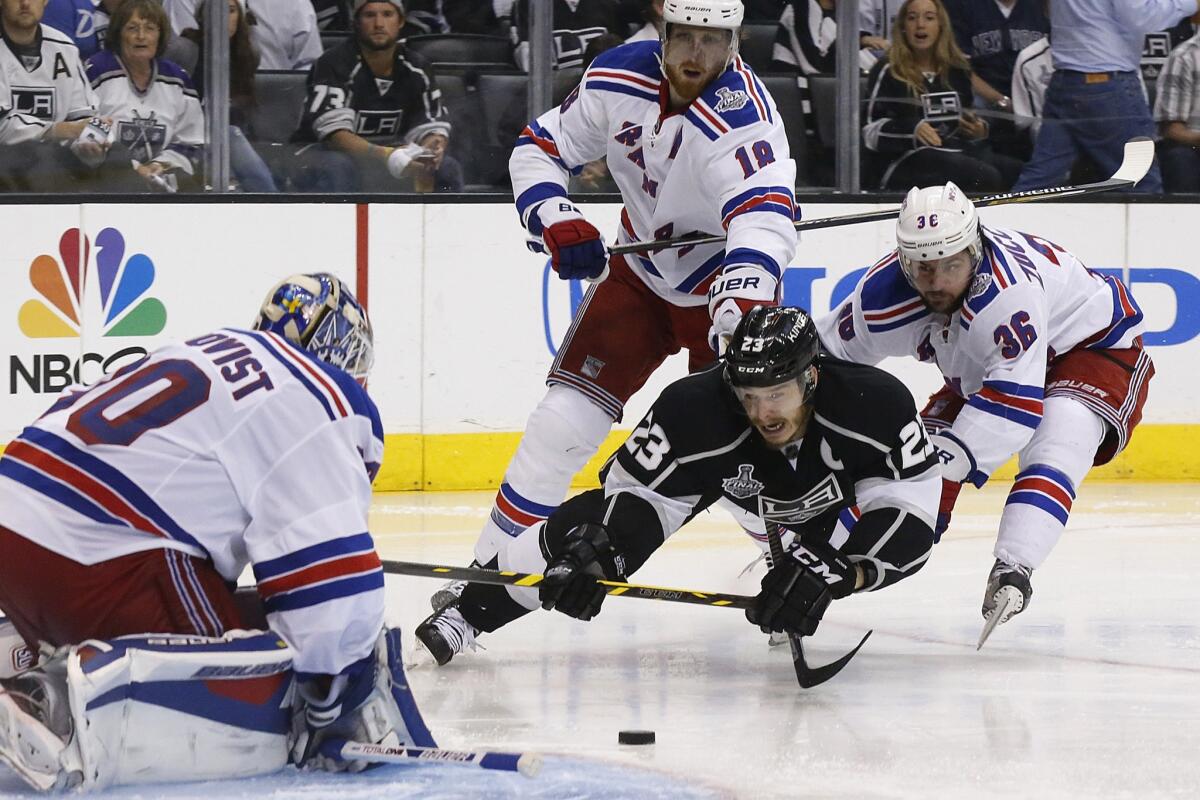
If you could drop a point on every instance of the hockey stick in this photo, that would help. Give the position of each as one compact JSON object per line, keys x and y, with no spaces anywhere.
{"x":806,"y":676}
{"x":528,"y":764}
{"x":528,"y":579}
{"x":1139,"y":155}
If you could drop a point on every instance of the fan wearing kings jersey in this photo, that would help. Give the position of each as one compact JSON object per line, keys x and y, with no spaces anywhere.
{"x":694,"y":143}
{"x":129,"y":510}
{"x":1042,"y":358}
{"x":804,"y":440}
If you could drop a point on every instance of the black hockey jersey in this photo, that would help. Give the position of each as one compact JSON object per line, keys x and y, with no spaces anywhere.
{"x":344,"y":95}
{"x":992,"y":40}
{"x":893,"y":111}
{"x":575,"y":24}
{"x":864,"y":447}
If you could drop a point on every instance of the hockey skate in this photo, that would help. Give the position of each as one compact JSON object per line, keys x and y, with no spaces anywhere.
{"x":449,"y":592}
{"x":445,"y":634}
{"x":36,"y":731}
{"x":1007,"y":594}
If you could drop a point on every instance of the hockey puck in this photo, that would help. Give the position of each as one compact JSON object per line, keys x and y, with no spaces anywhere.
{"x":635,"y":737}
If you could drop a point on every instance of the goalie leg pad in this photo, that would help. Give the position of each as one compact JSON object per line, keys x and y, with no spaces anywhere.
{"x":161,"y":708}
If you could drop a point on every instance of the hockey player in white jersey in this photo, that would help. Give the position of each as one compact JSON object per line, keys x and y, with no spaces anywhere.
{"x":1042,"y":358}
{"x":47,"y":132}
{"x":129,"y":510}
{"x":695,"y":143}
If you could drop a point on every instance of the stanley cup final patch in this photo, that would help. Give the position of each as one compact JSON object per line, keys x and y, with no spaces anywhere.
{"x":743,"y":484}
{"x":731,"y":99}
{"x":592,"y":366}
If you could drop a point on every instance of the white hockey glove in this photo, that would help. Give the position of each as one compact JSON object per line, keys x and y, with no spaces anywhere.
{"x":739,"y":288}
{"x":91,"y":146}
{"x":401,"y":157}
{"x":369,"y":702}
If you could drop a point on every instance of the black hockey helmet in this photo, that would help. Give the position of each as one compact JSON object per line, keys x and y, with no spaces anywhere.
{"x":770,"y":345}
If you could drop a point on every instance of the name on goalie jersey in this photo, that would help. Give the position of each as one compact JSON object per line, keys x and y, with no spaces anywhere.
{"x":825,"y":495}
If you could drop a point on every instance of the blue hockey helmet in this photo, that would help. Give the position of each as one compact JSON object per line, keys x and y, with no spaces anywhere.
{"x":317,"y":312}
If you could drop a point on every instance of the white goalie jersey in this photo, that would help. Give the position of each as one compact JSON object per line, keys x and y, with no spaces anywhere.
{"x":721,"y":165}
{"x":234,"y":447}
{"x":1029,"y":301}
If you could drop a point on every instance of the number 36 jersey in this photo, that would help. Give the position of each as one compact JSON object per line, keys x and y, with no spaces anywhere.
{"x":233,"y":446}
{"x":864,"y":449}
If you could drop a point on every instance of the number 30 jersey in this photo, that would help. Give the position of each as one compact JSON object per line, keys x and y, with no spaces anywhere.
{"x":233,"y":446}
{"x":864,"y":449}
{"x":1028,"y":301}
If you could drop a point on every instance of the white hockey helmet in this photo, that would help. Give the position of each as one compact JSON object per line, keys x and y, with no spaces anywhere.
{"x":725,"y":14}
{"x":936,"y":222}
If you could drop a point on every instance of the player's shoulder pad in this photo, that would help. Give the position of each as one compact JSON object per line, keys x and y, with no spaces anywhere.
{"x":736,"y":99}
{"x":888,"y":300}
{"x":862,"y":400}
{"x":632,"y":69}
{"x":103,"y":65}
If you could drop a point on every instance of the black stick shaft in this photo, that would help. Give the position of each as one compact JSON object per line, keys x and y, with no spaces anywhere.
{"x":529,"y":579}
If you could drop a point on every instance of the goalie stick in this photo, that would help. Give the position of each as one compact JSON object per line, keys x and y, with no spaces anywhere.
{"x":806,"y":676}
{"x":1139,"y":155}
{"x":528,"y":764}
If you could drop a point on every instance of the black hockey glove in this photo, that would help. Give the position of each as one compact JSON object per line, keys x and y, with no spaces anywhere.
{"x":796,"y":592}
{"x":570,"y":583}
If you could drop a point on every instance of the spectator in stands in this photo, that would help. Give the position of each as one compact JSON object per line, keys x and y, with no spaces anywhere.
{"x":247,"y":166}
{"x":806,"y":37}
{"x":373,"y":110}
{"x":991,"y":33}
{"x":155,"y":108}
{"x":452,"y":16}
{"x":47,"y":104}
{"x":919,"y":119}
{"x":1095,"y":102}
{"x":84,"y":21}
{"x":875,"y":21}
{"x":284,"y":31}
{"x":1031,"y":76}
{"x":1177,"y":111}
{"x":651,"y":12}
{"x":576,"y":22}
{"x":332,"y":15}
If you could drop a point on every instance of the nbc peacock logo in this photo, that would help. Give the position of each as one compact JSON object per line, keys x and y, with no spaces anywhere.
{"x":68,"y":288}
{"x":123,"y":284}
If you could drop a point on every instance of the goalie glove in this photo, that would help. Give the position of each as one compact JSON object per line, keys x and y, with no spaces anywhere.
{"x":739,"y":288}
{"x":796,"y":592}
{"x":368,"y":702}
{"x":91,"y":146}
{"x":577,"y":250}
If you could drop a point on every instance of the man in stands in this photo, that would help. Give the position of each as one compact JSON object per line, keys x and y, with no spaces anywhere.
{"x":373,"y":109}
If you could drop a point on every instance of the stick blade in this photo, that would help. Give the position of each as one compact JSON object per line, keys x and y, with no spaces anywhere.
{"x":807,"y":676}
{"x":1139,"y":156}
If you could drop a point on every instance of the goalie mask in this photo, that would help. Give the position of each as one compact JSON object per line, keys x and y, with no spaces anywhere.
{"x":318,"y":313}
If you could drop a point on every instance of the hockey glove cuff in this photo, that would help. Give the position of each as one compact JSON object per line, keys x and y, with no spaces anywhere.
{"x":736,"y":290}
{"x":570,"y":582}
{"x":577,"y":250}
{"x":950,"y":490}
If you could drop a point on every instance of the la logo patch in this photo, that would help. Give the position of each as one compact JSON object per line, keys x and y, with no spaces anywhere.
{"x":731,"y":99}
{"x":743,"y":484}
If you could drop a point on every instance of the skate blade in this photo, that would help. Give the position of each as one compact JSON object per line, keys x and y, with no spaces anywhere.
{"x":1008,"y":602}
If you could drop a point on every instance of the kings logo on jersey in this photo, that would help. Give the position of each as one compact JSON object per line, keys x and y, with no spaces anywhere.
{"x":825,"y":495}
{"x":58,"y":312}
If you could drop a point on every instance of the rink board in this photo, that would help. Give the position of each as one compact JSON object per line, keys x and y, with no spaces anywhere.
{"x":467,"y":320}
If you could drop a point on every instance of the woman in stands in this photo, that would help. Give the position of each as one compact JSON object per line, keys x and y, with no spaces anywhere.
{"x":919,"y":124}
{"x":247,"y":166}
{"x":157,"y":120}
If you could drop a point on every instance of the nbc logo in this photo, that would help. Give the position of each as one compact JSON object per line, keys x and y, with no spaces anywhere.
{"x":62,"y":309}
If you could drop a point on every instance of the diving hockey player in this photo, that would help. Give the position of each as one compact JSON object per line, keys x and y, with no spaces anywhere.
{"x":776,"y":426}
{"x":1042,"y":357}
{"x":695,"y":143}
{"x":127,"y":513}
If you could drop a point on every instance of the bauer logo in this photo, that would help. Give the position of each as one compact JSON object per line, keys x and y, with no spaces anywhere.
{"x":78,"y":293}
